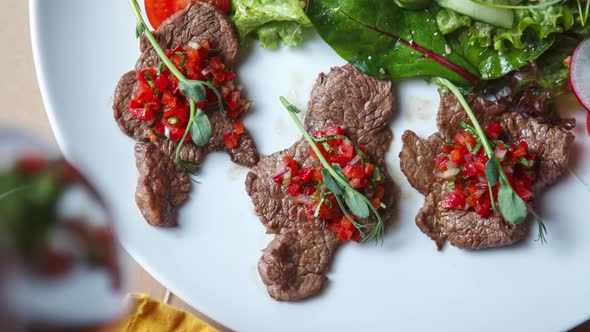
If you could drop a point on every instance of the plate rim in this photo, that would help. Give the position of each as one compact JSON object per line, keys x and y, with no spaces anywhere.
{"x":57,"y":130}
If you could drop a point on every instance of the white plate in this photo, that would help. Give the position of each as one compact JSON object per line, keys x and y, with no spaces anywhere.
{"x":83,"y":47}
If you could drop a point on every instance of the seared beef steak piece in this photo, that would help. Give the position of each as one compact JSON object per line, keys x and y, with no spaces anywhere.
{"x":361,"y":104}
{"x":162,"y":185}
{"x":294,"y":264}
{"x":466,"y":229}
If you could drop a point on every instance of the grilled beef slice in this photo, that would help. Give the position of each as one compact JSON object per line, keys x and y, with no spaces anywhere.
{"x":294,"y":264}
{"x":162,"y":186}
{"x":467,"y":229}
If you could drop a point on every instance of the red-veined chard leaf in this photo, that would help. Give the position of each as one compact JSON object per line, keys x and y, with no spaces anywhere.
{"x":388,"y":42}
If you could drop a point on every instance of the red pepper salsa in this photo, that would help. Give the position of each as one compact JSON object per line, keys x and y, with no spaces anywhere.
{"x":305,"y":184}
{"x":463,"y":164}
{"x":159,"y":100}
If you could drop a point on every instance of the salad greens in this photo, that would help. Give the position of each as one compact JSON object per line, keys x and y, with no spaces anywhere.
{"x":271,"y":21}
{"x":501,"y":17}
{"x":391,"y":42}
{"x":388,"y":42}
{"x":497,"y":51}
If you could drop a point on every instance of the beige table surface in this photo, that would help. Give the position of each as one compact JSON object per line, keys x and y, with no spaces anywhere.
{"x":23,"y":109}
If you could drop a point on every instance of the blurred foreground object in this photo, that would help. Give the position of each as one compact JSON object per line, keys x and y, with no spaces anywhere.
{"x":58,"y":255}
{"x":150,"y":315}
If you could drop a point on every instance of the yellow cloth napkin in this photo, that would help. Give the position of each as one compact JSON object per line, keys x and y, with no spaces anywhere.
{"x":149,"y":315}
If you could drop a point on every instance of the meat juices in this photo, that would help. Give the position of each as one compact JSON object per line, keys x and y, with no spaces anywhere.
{"x":163,"y":186}
{"x":294,"y":264}
{"x":465,"y":228}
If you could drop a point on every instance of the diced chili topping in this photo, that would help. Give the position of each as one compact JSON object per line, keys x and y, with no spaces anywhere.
{"x":159,"y":101}
{"x":463,"y":165}
{"x":305,"y":184}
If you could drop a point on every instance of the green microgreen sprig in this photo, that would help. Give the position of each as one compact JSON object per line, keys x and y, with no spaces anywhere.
{"x":346,"y":196}
{"x":584,"y":12}
{"x":513,"y":208}
{"x":198,"y":124}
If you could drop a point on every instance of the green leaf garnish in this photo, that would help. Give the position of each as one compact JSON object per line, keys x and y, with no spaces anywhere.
{"x":139,"y":29}
{"x":194,"y":90}
{"x":355,"y":202}
{"x":201,"y":128}
{"x":492,"y":173}
{"x":512,"y":206}
{"x":330,"y":183}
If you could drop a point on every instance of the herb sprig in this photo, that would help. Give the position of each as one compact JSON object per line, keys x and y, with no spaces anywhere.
{"x":198,"y":124}
{"x":335,"y":181}
{"x":513,"y":208}
{"x":584,"y":13}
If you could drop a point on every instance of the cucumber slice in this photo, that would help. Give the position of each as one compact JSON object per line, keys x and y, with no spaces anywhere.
{"x":501,"y":17}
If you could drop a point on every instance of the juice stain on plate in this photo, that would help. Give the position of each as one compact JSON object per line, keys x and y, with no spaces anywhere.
{"x":418,"y":109}
{"x":236,"y":172}
{"x":287,"y":130}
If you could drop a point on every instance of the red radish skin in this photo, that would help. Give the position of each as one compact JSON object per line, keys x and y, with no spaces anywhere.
{"x":580,"y":73}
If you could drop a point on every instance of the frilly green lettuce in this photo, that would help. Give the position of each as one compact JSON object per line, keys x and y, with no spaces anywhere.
{"x":497,"y":51}
{"x":535,"y":24}
{"x":271,"y":21}
{"x":449,"y":21}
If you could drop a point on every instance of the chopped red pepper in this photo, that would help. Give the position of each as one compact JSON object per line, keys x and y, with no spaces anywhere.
{"x":231,"y":140}
{"x":158,"y":100}
{"x":493,"y":131}
{"x":520,"y":151}
{"x":465,"y":169}
{"x":239,"y":127}
{"x":454,"y":201}
{"x":458,"y":155}
{"x":303,"y":182}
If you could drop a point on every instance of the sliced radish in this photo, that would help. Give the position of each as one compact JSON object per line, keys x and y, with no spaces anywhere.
{"x":580,"y":73}
{"x":588,"y":123}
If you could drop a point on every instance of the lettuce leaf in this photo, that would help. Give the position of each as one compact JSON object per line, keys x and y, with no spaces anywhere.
{"x":475,"y":45}
{"x":271,"y":21}
{"x":497,"y":51}
{"x":271,"y":34}
{"x":534,"y":25}
{"x":449,"y":21}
